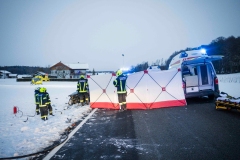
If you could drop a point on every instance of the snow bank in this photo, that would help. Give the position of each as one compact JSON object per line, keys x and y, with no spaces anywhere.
{"x":230,"y":83}
{"x":19,"y":137}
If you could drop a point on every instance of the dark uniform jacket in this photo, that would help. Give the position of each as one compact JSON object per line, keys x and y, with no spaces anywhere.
{"x":36,"y":92}
{"x":120,"y":83}
{"x":44,"y":99}
{"x":82,"y":85}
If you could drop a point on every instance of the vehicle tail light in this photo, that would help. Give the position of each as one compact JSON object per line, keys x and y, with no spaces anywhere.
{"x":183,"y":85}
{"x":216,"y":81}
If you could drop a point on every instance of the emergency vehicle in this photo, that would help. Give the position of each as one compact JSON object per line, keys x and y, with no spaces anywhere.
{"x":198,"y":73}
{"x":39,"y":79}
{"x":36,"y":80}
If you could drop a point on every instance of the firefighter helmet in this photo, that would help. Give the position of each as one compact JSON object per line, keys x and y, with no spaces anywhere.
{"x":82,"y":76}
{"x":119,"y":72}
{"x":42,"y":89}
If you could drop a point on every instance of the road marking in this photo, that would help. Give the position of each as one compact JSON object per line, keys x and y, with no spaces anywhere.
{"x":54,"y":151}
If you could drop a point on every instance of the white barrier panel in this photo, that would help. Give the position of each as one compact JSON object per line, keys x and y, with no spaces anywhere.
{"x":102,"y":92}
{"x":146,"y":90}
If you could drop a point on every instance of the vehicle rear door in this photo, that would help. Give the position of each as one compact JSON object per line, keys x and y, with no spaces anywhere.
{"x":202,"y":74}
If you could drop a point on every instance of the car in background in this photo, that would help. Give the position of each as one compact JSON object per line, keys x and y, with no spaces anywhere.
{"x":154,"y":68}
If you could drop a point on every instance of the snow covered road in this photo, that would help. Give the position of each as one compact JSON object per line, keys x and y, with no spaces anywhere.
{"x":196,"y":131}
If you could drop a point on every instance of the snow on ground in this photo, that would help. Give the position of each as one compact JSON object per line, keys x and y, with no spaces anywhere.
{"x":21,"y":138}
{"x":230,"y":84}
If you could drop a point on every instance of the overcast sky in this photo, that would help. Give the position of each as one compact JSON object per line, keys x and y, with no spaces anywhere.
{"x":97,"y":32}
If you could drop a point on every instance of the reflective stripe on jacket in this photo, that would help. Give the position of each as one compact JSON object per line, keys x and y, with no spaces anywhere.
{"x":120,"y":83}
{"x":44,"y":99}
{"x":36,"y":97}
{"x":82,"y":85}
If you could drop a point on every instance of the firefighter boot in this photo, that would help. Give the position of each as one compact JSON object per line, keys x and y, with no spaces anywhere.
{"x":121,"y":109}
{"x":125,"y":107}
{"x":50,"y":113}
{"x":44,"y":118}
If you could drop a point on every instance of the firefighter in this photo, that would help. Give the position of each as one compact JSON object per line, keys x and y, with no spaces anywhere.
{"x":44,"y":103}
{"x":120,"y":83}
{"x":82,"y":88}
{"x":36,"y":92}
{"x":49,"y":103}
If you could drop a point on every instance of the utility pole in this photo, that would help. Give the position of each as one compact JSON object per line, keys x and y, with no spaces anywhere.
{"x":123,"y":59}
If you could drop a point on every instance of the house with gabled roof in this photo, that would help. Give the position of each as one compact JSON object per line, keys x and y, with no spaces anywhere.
{"x":72,"y":70}
{"x":4,"y":74}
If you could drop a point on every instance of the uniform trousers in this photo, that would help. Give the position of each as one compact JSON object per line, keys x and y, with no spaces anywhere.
{"x":122,"y":100}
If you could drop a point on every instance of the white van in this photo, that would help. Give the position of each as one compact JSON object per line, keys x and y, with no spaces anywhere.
{"x":198,"y":74}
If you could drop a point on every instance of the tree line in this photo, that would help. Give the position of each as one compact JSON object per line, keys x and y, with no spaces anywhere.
{"x":230,"y":49}
{"x":227,"y":47}
{"x":25,"y":69}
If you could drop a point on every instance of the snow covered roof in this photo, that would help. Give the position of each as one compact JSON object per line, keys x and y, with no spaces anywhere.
{"x":25,"y":75}
{"x":40,"y":73}
{"x":72,"y":65}
{"x":4,"y":71}
{"x":78,"y":66}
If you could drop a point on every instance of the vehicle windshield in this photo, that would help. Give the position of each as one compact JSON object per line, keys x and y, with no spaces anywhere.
{"x":36,"y":79}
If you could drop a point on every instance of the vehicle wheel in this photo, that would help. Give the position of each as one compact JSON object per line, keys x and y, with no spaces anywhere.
{"x":211,"y":97}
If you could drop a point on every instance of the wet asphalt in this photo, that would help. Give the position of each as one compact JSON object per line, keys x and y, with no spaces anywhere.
{"x":195,"y":131}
